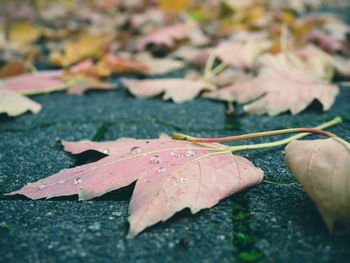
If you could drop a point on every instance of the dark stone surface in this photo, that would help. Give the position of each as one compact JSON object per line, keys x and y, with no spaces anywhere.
{"x":118,"y":106}
{"x":283,"y":224}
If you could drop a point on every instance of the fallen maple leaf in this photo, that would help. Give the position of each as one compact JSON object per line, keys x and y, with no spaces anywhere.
{"x":86,"y":67}
{"x":322,"y":167}
{"x":194,"y":55}
{"x":158,"y":66}
{"x":319,"y":62}
{"x":111,"y":64}
{"x":12,"y":68}
{"x":24,"y":33}
{"x":179,"y":90}
{"x":12,"y":90}
{"x":30,"y":83}
{"x":279,"y":88}
{"x":166,"y":35}
{"x":325,"y":41}
{"x":14,"y":104}
{"x":176,"y":6}
{"x":171,"y":175}
{"x":83,"y":47}
{"x":241,"y":54}
{"x":88,"y":83}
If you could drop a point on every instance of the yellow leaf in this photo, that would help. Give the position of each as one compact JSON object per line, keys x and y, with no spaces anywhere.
{"x":174,"y":6}
{"x":24,"y":33}
{"x":84,"y":47}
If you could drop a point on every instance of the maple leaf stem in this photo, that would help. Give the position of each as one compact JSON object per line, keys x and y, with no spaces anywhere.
{"x":303,"y":131}
{"x":209,"y":65}
{"x":30,"y":66}
{"x":209,"y":72}
{"x":57,"y":88}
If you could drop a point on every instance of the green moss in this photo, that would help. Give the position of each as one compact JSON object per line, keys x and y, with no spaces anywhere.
{"x":98,"y":136}
{"x":243,"y":240}
{"x":7,"y":226}
{"x":251,"y":256}
{"x":232,"y":123}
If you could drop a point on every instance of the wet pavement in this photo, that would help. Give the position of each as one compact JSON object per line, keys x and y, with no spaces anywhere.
{"x":268,"y":223}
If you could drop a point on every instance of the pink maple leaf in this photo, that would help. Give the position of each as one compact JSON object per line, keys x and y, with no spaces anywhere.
{"x":166,"y":35}
{"x":29,"y":83}
{"x":179,"y":90}
{"x":171,"y":175}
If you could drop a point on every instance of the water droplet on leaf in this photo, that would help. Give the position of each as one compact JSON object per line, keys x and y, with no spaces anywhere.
{"x":42,"y":186}
{"x":190,"y":153}
{"x":78,"y":181}
{"x":156,"y":159}
{"x":136,"y":150}
{"x":161,"y":170}
{"x":183,"y":180}
{"x":106,"y":151}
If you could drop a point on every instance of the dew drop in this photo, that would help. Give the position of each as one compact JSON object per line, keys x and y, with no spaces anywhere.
{"x":42,"y":186}
{"x":156,"y":159}
{"x":161,"y":170}
{"x":183,"y":180}
{"x":106,"y":151}
{"x":180,"y":155}
{"x":78,"y":181}
{"x":136,"y":150}
{"x":162,"y":144}
{"x":147,"y":181}
{"x":190,"y":153}
{"x":172,"y":154}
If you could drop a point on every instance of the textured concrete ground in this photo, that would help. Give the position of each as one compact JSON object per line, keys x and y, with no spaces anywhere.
{"x":268,"y":223}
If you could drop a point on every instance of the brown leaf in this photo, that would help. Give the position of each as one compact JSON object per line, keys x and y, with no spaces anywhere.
{"x":111,"y":64}
{"x":13,"y":68}
{"x":323,"y":169}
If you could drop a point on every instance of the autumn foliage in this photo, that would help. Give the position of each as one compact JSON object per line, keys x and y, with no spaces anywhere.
{"x":272,"y":57}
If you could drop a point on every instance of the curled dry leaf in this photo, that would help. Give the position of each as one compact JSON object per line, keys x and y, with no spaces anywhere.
{"x":179,"y":90}
{"x":14,"y":104}
{"x":167,"y":35}
{"x":323,"y":169}
{"x":171,"y":175}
